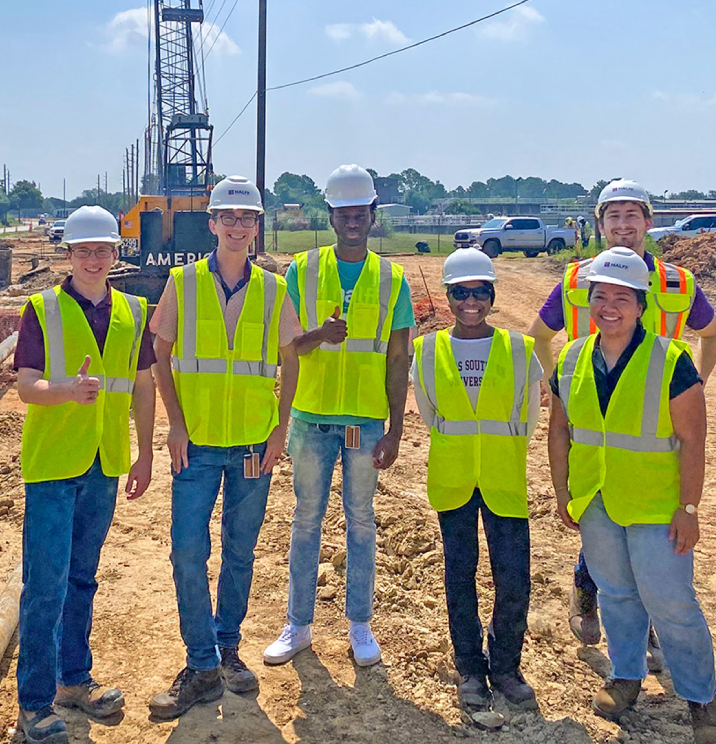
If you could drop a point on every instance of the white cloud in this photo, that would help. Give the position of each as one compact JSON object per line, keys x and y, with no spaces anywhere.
{"x":517,"y":25}
{"x":439,"y":98}
{"x":341,"y":89}
{"x":129,"y":29}
{"x":376,"y":30}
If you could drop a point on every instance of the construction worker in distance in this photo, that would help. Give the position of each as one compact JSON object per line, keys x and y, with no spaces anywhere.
{"x":624,"y":214}
{"x":627,"y":453}
{"x":356,"y":312}
{"x":84,"y":358}
{"x":477,"y":388}
{"x":221,"y":325}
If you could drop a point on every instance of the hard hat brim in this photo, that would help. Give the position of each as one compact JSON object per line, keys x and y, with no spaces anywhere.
{"x":470,"y":278}
{"x":362,"y":202}
{"x":233,"y":207}
{"x":603,"y":279}
{"x":116,"y":242}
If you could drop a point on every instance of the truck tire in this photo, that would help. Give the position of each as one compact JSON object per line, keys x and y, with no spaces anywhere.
{"x":554,"y":246}
{"x":491,"y":248}
{"x":531,"y":254}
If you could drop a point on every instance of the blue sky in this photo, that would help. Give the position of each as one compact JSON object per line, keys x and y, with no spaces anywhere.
{"x":576,"y":91}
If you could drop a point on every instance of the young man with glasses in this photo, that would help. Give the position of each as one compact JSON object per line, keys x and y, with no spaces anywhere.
{"x":477,"y":389}
{"x":355,"y":308}
{"x":83,"y":357}
{"x":221,"y":326}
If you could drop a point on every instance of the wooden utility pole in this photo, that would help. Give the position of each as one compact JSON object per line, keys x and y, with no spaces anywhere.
{"x":261,"y":122}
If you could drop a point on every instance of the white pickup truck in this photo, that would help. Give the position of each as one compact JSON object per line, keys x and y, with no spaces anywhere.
{"x":527,"y":234}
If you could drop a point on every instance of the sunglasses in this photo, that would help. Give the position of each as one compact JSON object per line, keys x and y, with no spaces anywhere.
{"x":460,"y":293}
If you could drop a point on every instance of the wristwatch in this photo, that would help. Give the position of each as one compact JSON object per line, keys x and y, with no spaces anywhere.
{"x":689,"y":508}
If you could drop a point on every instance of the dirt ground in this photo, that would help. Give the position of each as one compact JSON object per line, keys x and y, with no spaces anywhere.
{"x":322,"y":697}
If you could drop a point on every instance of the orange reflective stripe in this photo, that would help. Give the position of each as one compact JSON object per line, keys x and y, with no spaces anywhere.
{"x":575,"y":310}
{"x":592,"y":326}
{"x":662,"y":280}
{"x":681,"y":320}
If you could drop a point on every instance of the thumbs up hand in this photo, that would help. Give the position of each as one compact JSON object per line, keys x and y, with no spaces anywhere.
{"x":85,"y":389}
{"x":334,"y":328}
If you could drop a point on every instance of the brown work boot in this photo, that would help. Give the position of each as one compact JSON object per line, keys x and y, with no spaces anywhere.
{"x":584,"y":616}
{"x":238,"y":677}
{"x":91,"y":698}
{"x":703,"y":722}
{"x":190,"y":687}
{"x":615,"y":697}
{"x":42,"y":726}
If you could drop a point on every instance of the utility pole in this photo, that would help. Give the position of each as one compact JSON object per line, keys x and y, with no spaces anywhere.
{"x":136,"y":174}
{"x":261,"y":122}
{"x":64,"y":197}
{"x":99,"y":190}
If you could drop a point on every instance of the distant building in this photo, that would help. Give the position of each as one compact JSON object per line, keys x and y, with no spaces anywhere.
{"x":388,"y":189}
{"x":395,"y":210}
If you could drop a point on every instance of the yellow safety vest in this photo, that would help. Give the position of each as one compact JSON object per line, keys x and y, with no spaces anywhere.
{"x":485,"y":447}
{"x":672,"y":290}
{"x":61,"y":441}
{"x":346,"y":379}
{"x":631,"y":454}
{"x":227,"y":395}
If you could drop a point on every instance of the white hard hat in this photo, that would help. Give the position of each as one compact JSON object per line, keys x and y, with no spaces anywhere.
{"x":468,"y":265}
{"x":235,"y":192}
{"x":91,"y":225}
{"x":622,"y":190}
{"x":620,"y":266}
{"x":350,"y":186}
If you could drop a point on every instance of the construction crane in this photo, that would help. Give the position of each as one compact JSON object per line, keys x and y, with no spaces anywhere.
{"x":167,"y":225}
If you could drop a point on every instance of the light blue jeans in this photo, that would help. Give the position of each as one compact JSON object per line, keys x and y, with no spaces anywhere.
{"x":194,"y":493}
{"x":640,"y":576}
{"x":314,"y":450}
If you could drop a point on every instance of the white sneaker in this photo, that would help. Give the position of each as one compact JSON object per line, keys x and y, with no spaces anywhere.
{"x":293,"y":638}
{"x":366,"y":650}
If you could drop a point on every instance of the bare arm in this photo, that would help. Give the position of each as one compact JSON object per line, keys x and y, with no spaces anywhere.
{"x":81,"y":389}
{"x":543,"y":336}
{"x":396,"y":380}
{"x":688,"y":416}
{"x":707,"y":350}
{"x":289,"y":379}
{"x":558,"y":446}
{"x":178,"y":438}
{"x":143,"y":405}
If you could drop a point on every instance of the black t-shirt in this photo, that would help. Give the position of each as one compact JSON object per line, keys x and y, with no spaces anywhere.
{"x":685,"y":374}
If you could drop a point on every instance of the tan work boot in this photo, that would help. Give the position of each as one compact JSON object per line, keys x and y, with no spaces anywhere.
{"x":615,"y":697}
{"x":91,"y":698}
{"x":703,"y":722}
{"x":584,"y":616}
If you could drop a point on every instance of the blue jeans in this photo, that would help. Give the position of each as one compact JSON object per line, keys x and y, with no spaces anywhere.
{"x":508,"y":542}
{"x":194,"y":493}
{"x":66,"y":523}
{"x":314,"y":450}
{"x":640,"y":577}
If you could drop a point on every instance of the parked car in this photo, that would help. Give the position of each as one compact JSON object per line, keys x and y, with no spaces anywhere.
{"x":508,"y":234}
{"x":56,"y":231}
{"x":689,"y":227}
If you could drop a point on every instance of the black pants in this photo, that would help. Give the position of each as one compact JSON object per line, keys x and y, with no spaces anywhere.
{"x":508,"y":542}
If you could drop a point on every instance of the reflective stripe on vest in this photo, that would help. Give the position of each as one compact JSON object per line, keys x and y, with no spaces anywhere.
{"x":669,"y":300}
{"x":350,"y":344}
{"x":56,"y":343}
{"x":512,"y":428}
{"x":190,"y":363}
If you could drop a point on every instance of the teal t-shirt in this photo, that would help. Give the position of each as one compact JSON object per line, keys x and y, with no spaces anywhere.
{"x":348,"y":272}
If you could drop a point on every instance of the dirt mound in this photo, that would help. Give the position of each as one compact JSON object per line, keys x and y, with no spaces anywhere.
{"x":669,"y":241}
{"x":698,"y":255}
{"x":432,"y":315}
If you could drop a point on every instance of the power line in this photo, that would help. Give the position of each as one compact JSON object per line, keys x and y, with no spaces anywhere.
{"x":373,"y":59}
{"x":238,"y":116}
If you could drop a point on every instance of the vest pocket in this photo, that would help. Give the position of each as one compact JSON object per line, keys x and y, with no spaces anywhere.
{"x":251,"y":338}
{"x":671,"y":302}
{"x":364,"y":320}
{"x":577,"y":297}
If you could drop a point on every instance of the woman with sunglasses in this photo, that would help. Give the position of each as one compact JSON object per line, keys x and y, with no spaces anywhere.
{"x":477,"y":389}
{"x":627,"y":452}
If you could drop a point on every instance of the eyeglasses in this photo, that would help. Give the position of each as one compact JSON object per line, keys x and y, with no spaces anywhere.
{"x":247,"y":220}
{"x":461,"y":293}
{"x":86,"y":252}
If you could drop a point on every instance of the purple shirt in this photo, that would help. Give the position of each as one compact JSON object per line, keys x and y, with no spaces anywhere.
{"x":552,"y":312}
{"x":30,"y":351}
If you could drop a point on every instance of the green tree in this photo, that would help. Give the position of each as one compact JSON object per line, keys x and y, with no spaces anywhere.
{"x":293,"y":189}
{"x":460,"y":206}
{"x":597,"y":189}
{"x":4,"y":207}
{"x":689,"y":194}
{"x":25,"y":195}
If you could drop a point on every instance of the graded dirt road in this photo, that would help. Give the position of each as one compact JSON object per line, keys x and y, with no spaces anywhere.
{"x":322,"y":698}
